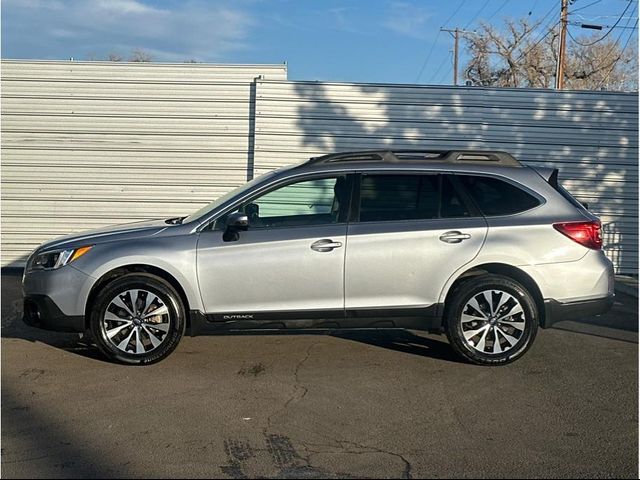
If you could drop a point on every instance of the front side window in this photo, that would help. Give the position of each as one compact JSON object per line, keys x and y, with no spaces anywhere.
{"x":497,"y":197}
{"x":409,"y":197}
{"x":308,"y":202}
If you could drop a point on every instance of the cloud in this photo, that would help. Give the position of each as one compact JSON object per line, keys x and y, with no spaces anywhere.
{"x":409,"y":20}
{"x":197,"y":29}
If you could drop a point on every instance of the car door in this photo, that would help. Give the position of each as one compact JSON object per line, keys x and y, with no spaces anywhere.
{"x":290,"y":261}
{"x":411,"y":232}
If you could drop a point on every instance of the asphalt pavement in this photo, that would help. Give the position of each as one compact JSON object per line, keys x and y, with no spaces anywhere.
{"x":394,"y":404}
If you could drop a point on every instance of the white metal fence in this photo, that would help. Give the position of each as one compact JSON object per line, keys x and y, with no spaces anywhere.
{"x":591,"y":136}
{"x":90,"y":144}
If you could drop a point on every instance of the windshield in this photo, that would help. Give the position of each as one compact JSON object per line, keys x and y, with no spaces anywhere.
{"x":204,"y":211}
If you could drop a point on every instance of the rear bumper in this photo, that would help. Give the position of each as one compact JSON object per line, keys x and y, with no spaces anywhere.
{"x":42,"y":312}
{"x":557,"y":311}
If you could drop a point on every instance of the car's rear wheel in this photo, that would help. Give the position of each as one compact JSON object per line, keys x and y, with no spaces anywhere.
{"x":491,"y":320}
{"x":138,"y":318}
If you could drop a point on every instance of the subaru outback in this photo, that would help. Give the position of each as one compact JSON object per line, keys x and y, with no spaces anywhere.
{"x":473,"y":244}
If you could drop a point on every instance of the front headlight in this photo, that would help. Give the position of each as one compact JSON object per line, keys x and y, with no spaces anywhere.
{"x":58,"y":258}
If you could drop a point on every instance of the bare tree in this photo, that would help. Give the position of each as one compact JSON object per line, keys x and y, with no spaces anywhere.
{"x":139,"y":55}
{"x":525,"y":55}
{"x":603,"y":64}
{"x":114,"y":57}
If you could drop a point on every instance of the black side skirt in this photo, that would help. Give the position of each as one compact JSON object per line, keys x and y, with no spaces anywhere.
{"x":427,"y":318}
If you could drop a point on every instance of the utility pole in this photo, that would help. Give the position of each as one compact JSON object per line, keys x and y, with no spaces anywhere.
{"x":455,"y":33}
{"x":563,"y":44}
{"x":455,"y":57}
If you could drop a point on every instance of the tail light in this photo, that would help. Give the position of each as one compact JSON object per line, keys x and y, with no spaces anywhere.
{"x":584,"y":233}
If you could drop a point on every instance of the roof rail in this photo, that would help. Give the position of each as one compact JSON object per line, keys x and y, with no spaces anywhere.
{"x":484,"y":157}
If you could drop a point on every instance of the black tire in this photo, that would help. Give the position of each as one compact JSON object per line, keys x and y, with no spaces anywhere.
{"x":473,"y":288}
{"x":165,"y":293}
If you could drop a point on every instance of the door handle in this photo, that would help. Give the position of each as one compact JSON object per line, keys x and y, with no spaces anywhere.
{"x":325,"y":245}
{"x":454,"y":236}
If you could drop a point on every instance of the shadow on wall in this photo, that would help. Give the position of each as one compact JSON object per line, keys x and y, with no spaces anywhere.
{"x":593,"y":143}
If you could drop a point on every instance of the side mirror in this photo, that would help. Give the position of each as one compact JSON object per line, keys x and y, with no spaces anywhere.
{"x":236,"y":222}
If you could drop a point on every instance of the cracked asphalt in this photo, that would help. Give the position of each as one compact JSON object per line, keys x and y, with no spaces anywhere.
{"x":392,"y":404}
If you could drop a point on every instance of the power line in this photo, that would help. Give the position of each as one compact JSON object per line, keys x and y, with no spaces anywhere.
{"x":523,"y":54}
{"x":608,"y":31}
{"x":617,"y":42}
{"x":586,"y":6}
{"x":546,"y":31}
{"x":424,"y":64}
{"x":454,"y":13}
{"x":500,"y":8}
{"x":613,"y":66}
{"x":593,"y":18}
{"x":435,"y":41}
{"x":626,"y":26}
{"x":599,"y":27}
{"x":477,"y":14}
{"x":440,"y":67}
{"x":493,"y":66}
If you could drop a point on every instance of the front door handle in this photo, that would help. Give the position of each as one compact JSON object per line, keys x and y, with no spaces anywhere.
{"x":454,"y":236}
{"x":325,"y":245}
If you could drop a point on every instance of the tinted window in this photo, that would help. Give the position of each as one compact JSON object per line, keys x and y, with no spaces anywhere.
{"x":496,"y":197}
{"x":309,"y":202}
{"x":451,"y":204}
{"x":408,"y":197}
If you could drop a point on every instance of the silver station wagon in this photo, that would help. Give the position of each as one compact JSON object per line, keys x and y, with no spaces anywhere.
{"x":468,"y":243}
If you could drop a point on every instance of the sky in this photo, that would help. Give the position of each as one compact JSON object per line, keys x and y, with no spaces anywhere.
{"x":389,"y":41}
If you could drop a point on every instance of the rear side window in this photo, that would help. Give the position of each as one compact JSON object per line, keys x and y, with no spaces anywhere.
{"x":408,"y":197}
{"x":497,"y":197}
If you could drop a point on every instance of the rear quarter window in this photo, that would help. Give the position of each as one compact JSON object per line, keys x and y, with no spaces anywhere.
{"x":497,"y":197}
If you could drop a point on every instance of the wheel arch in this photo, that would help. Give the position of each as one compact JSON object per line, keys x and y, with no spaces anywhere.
{"x":508,"y":271}
{"x":135,"y":268}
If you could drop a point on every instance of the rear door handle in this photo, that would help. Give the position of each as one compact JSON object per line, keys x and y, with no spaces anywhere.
{"x":325,"y":245}
{"x":454,"y":236}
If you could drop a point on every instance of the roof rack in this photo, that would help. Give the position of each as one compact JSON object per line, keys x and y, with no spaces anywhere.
{"x":484,"y":157}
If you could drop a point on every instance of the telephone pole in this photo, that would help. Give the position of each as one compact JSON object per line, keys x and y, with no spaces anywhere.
{"x":456,"y":36}
{"x":563,"y":44}
{"x":455,"y":33}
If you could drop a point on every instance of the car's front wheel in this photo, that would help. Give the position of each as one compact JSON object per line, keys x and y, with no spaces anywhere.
{"x":138,"y":318}
{"x":491,"y":320}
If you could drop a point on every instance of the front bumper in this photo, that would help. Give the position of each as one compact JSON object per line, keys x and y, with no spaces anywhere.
{"x":42,"y":312}
{"x":53,"y":299}
{"x":557,"y":312}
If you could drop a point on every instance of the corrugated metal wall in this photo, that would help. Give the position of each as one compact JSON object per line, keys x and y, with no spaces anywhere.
{"x":87,"y":144}
{"x":591,"y":136}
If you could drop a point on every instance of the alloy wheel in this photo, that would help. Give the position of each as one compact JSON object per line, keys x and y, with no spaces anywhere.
{"x":136,"y":321}
{"x":493,"y":322}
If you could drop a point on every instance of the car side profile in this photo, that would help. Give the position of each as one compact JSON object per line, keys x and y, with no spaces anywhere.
{"x":473,"y":244}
